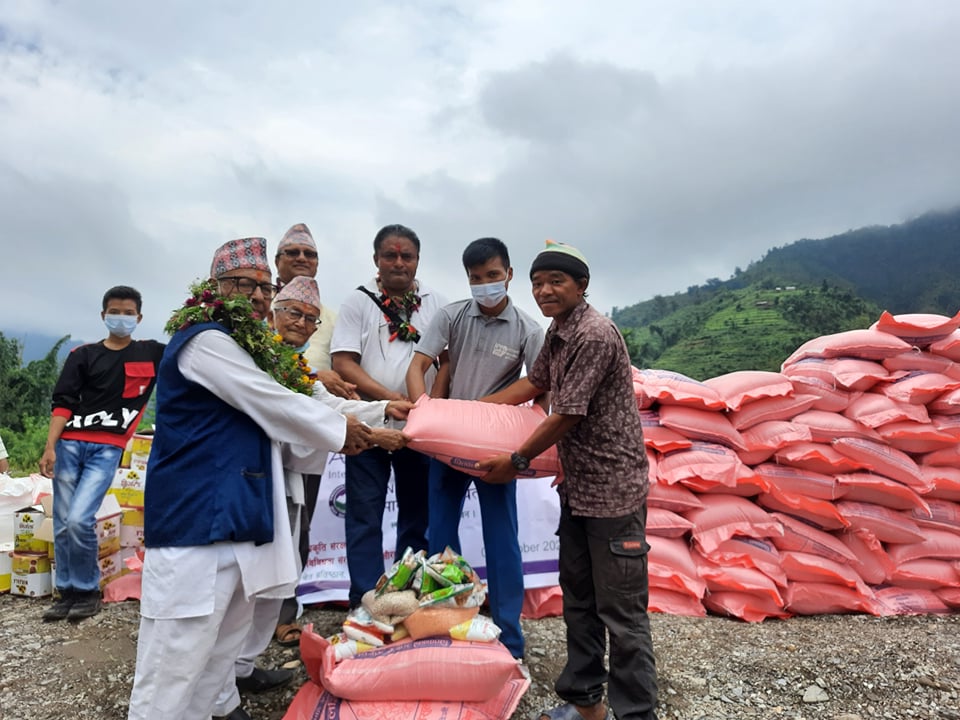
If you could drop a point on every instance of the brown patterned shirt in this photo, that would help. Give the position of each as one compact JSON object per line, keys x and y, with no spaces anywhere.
{"x":585,"y":366}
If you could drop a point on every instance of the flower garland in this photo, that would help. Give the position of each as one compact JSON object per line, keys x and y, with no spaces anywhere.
{"x":406,"y":304}
{"x":281,"y":361}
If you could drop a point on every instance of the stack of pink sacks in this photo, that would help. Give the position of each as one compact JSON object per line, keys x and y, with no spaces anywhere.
{"x":831,"y":486}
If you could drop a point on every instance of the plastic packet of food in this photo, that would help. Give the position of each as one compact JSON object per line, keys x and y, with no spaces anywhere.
{"x":344,"y":647}
{"x":400,"y":574}
{"x":478,"y":629}
{"x":444,"y":594}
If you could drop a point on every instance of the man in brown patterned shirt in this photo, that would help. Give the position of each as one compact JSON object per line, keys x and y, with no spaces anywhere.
{"x":603,"y":551}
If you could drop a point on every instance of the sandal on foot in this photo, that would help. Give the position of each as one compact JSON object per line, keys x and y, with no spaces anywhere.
{"x":567,"y":711}
{"x":288,"y":635}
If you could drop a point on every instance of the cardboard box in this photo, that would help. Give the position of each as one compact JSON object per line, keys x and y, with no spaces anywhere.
{"x":129,"y":484}
{"x":141,"y":444}
{"x":107,"y":524}
{"x":131,"y":528}
{"x":30,"y":576}
{"x":6,"y":566}
{"x":111,"y":567}
{"x":26,"y":522}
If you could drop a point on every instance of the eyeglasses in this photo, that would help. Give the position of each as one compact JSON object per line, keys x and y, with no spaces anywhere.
{"x":296,"y":252}
{"x":296,"y":315}
{"x":248,"y":286}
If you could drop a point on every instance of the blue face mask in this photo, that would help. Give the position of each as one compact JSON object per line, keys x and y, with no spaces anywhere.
{"x":489,"y":294}
{"x":120,"y":325}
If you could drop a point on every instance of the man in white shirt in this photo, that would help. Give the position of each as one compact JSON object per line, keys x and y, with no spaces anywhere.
{"x":216,"y":526}
{"x":373,"y":342}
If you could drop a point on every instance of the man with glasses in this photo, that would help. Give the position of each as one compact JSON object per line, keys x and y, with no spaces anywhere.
{"x":295,"y":312}
{"x":215,"y":523}
{"x":373,"y":343}
{"x":97,"y":404}
{"x":297,"y":257}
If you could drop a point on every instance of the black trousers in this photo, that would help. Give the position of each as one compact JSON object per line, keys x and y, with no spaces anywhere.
{"x":603,"y":576}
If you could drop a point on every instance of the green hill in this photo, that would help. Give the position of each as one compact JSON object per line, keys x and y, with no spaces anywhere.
{"x":754,"y":320}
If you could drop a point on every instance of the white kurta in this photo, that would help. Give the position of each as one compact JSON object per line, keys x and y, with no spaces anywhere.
{"x":194,"y":585}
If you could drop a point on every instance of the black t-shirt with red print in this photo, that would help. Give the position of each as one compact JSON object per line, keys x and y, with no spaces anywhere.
{"x":103,"y":392}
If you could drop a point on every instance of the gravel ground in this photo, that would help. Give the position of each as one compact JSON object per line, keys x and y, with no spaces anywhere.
{"x":835,"y":667}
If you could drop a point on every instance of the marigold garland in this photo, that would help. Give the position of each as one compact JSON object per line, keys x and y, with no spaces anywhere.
{"x":281,"y":361}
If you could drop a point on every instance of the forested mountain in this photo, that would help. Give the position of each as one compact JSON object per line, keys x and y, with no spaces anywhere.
{"x":755,"y":319}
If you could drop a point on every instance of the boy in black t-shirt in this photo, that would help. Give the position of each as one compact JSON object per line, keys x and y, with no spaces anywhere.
{"x":97,"y":404}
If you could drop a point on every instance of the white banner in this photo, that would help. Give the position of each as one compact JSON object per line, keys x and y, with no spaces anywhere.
{"x":325,"y":578}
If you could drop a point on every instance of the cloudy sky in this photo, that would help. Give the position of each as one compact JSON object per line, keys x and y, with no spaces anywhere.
{"x":670,"y":141}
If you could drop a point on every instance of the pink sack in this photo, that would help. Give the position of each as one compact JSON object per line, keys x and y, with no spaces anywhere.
{"x":907,"y":601}
{"x":852,"y":374}
{"x":763,"y":439}
{"x":748,"y":607}
{"x":438,"y":668}
{"x":778,"y":408}
{"x":703,"y":425}
{"x":803,"y":537}
{"x":884,"y":460}
{"x":703,"y":461}
{"x":672,"y":497}
{"x":821,"y":513}
{"x":744,"y":386}
{"x":670,"y":567}
{"x":925,"y":361}
{"x":944,"y":480}
{"x":872,"y":562}
{"x":666,"y":523}
{"x":659,"y":437}
{"x":913,"y":437}
{"x":542,"y":602}
{"x":797,"y":481}
{"x":938,"y":514}
{"x":460,"y":433}
{"x":818,"y":457}
{"x":948,"y":457}
{"x":888,"y":525}
{"x":806,"y":567}
{"x":670,"y":602}
{"x":925,"y":574}
{"x":825,"y":426}
{"x":672,"y":388}
{"x":757,"y":553}
{"x":870,"y":488}
{"x":829,"y":397}
{"x":867,"y":344}
{"x":917,"y":387}
{"x":946,"y":404}
{"x":920,"y":329}
{"x":724,"y":516}
{"x":312,"y":702}
{"x":940,"y":544}
{"x":819,"y":598}
{"x":735,"y":578}
{"x":948,"y":347}
{"x":874,"y":410}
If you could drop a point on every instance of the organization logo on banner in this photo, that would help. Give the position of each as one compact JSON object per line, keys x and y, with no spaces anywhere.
{"x":338,"y":501}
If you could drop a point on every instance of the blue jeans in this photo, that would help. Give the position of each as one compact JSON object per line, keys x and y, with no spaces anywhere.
{"x":498,"y":516}
{"x":82,"y":475}
{"x":603,"y":577}
{"x":367,"y":478}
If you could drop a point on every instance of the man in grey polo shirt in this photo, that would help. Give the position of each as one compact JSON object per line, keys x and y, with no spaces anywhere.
{"x":489,"y":340}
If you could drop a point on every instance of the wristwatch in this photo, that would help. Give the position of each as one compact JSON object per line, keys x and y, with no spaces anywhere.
{"x":519,"y":462}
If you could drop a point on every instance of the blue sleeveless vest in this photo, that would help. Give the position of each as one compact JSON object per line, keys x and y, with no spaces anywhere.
{"x":209,"y":477}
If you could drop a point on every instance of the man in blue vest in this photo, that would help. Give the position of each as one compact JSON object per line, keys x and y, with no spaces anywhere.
{"x":215,"y":526}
